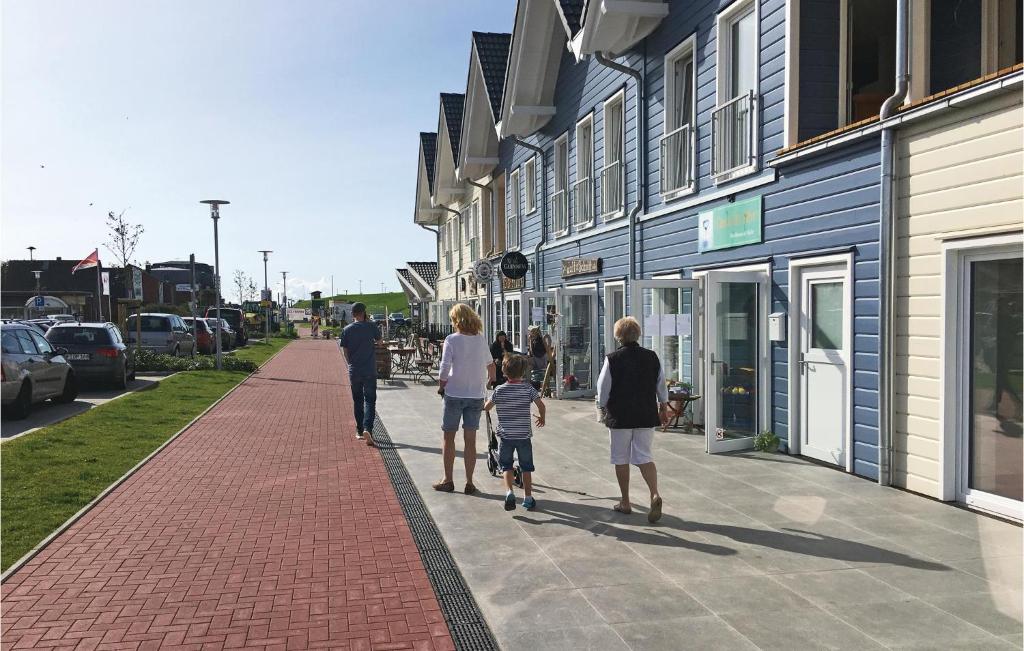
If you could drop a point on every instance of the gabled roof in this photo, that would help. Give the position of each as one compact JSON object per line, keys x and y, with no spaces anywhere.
{"x":405,"y":279}
{"x":571,"y":12}
{"x":451,"y":105}
{"x":425,"y":271}
{"x":492,"y":52}
{"x":539,"y":37}
{"x":428,"y":149}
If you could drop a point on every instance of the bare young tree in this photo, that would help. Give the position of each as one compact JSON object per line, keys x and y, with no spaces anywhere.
{"x":241,"y":281}
{"x":123,"y":237}
{"x":253,"y":289}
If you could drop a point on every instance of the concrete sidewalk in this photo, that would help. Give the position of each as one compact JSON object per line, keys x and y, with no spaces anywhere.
{"x":755,"y":550}
{"x":264,"y":525}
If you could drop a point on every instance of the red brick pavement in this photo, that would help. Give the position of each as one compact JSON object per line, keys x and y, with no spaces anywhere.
{"x":265,"y":525}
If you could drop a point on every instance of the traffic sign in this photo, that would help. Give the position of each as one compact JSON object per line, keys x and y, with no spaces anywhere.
{"x":40,"y":301}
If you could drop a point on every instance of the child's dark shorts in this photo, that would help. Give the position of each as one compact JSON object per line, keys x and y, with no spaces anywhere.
{"x":523,"y":449}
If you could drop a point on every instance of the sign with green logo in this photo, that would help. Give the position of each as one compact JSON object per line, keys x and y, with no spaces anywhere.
{"x":733,"y":224}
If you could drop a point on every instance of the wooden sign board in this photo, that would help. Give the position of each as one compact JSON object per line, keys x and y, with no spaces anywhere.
{"x":580,"y":266}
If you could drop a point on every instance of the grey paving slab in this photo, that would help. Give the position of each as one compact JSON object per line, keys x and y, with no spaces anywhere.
{"x":754,"y":550}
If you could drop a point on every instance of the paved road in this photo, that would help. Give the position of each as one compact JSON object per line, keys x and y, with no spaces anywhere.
{"x":48,"y":413}
{"x":265,"y":525}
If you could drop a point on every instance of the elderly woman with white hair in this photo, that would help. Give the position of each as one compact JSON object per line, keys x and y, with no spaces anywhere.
{"x":634,"y":400}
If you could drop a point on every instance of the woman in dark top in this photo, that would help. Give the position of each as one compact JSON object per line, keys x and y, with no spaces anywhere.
{"x":632,"y":393}
{"x":499,"y":348}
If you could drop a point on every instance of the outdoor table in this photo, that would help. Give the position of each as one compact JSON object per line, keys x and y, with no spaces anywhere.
{"x":402,"y":359}
{"x":678,"y":404}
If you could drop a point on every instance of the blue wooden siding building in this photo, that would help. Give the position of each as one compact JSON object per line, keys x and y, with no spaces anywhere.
{"x":715,"y":169}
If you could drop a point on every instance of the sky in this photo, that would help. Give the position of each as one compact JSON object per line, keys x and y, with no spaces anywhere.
{"x":304,"y":115}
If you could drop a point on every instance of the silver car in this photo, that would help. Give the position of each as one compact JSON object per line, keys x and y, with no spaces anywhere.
{"x":161,"y":333}
{"x":32,"y":371}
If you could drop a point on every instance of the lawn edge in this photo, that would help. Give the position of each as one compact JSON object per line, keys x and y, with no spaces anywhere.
{"x":70,"y":416}
{"x":32,"y":553}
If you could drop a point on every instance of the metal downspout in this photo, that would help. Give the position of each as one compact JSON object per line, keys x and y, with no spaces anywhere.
{"x":537,"y":263}
{"x":641,"y":155}
{"x":886,"y":228}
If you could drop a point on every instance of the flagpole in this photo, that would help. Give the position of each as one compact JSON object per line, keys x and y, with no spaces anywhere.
{"x":99,"y":287}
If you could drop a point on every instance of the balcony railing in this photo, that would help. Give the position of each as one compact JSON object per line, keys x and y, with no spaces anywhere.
{"x":677,"y":160}
{"x":583,"y":202}
{"x":611,"y":189}
{"x":733,"y":132}
{"x":559,"y":212}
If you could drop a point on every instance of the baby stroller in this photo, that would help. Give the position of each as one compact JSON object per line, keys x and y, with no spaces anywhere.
{"x":492,"y":455}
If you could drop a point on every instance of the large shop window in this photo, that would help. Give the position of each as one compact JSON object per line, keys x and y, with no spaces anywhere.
{"x":984,"y":394}
{"x":679,"y":142}
{"x":512,"y":219}
{"x":734,"y":120}
{"x":613,"y":173}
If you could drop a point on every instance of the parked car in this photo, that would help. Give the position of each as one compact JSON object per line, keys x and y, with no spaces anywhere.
{"x":227,"y":335}
{"x":162,"y":333}
{"x":236,"y":318}
{"x":397,"y":318}
{"x":35,"y":326}
{"x":96,"y":351}
{"x":200,"y":329}
{"x":32,"y":370}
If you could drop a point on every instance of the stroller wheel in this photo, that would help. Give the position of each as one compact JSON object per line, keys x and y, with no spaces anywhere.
{"x":517,"y":476}
{"x":492,"y":466}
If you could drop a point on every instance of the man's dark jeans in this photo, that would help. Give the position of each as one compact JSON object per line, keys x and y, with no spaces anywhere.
{"x":364,"y":402}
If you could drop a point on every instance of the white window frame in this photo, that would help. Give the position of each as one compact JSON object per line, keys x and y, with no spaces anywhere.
{"x":512,"y":217}
{"x":618,"y":97}
{"x":472,"y":227}
{"x":586,"y":121}
{"x":684,"y":49}
{"x":530,"y":183}
{"x":609,"y":327}
{"x":723,"y":77}
{"x":957,"y":254}
{"x":562,"y":140}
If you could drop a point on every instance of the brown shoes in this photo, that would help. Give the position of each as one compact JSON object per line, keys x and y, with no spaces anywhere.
{"x":445,"y":486}
{"x":470,"y":489}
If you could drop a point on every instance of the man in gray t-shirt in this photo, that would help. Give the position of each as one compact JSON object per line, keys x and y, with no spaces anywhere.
{"x":359,"y":339}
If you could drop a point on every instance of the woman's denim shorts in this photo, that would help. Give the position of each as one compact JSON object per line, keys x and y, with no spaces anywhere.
{"x":465,"y":409}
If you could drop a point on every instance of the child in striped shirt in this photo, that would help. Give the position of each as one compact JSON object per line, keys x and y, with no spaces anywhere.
{"x":512,"y":401}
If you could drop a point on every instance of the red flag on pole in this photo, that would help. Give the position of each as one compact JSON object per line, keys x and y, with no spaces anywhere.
{"x":92,"y":260}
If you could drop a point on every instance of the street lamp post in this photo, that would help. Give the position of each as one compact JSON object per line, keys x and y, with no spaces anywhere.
{"x":284,"y":299}
{"x":266,"y":291}
{"x":31,"y":251}
{"x":215,"y":205}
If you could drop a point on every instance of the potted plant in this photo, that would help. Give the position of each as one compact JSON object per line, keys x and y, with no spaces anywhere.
{"x":766,"y":441}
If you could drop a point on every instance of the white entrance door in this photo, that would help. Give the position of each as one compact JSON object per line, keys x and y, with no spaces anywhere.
{"x":576,"y":345}
{"x":536,"y":309}
{"x":824,"y":364}
{"x":668,"y":313}
{"x":736,"y":358}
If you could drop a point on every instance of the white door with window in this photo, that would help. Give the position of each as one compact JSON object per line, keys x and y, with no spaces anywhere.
{"x":824,"y":363}
{"x":614,"y":309}
{"x":576,"y":327}
{"x":736,"y":358}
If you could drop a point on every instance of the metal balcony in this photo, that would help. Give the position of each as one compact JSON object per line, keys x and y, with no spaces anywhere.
{"x":583,"y":203}
{"x":677,"y":160}
{"x":733,"y":133}
{"x":612,"y":200}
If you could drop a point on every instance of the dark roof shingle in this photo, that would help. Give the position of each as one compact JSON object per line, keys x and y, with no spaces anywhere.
{"x":425,"y":270}
{"x":428,"y":145}
{"x":572,"y":14}
{"x":452,"y":104}
{"x":492,"y":51}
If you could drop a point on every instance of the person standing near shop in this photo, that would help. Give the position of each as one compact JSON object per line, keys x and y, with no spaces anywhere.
{"x":359,"y":340}
{"x":634,"y":398}
{"x":500,"y":347}
{"x":466,"y":370}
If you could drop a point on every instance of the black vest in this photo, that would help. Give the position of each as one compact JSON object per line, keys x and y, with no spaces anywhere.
{"x":633,"y":402}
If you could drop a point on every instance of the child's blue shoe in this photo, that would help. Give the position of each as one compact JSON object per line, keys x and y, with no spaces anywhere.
{"x":510,"y":501}
{"x":529,"y":503}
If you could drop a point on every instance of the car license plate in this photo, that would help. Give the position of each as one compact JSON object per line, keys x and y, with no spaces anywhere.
{"x":79,"y":356}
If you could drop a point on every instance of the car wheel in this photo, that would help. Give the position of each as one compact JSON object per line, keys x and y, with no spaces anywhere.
{"x":22,"y":406}
{"x":70,"y":390}
{"x":176,"y":352}
{"x":131,"y":376}
{"x":121,"y":379}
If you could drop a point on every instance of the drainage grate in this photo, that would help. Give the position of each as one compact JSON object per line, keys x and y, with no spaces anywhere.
{"x":466,"y":623}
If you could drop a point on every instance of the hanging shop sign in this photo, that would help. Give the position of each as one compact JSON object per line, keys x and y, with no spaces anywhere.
{"x":513,"y":283}
{"x":483,"y":270}
{"x":580,"y":266}
{"x":733,"y":224}
{"x":514,"y":265}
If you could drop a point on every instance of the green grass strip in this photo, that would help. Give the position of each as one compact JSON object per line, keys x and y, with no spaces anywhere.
{"x":50,"y":474}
